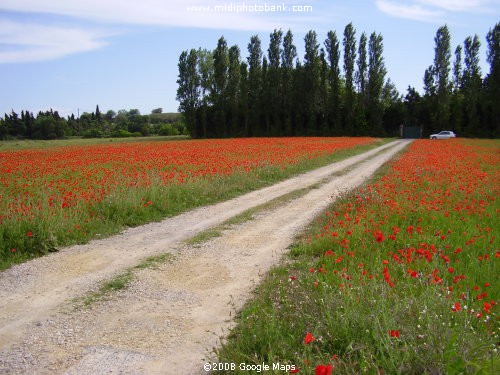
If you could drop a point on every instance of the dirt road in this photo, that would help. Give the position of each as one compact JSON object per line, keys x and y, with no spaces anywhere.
{"x":172,"y":315}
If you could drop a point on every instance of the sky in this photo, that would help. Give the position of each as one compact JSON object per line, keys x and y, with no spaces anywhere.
{"x":71,"y":55}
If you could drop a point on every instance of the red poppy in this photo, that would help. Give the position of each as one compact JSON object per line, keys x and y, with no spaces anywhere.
{"x":394,"y":333}
{"x":456,"y":307}
{"x":294,"y":370}
{"x":323,"y":370}
{"x":29,"y":234}
{"x":308,"y":338}
{"x":487,"y":307}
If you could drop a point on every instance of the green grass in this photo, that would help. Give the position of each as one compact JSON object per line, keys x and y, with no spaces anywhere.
{"x":121,"y":281}
{"x":117,"y":283}
{"x":341,"y":296}
{"x":13,"y":145}
{"x":124,"y":208}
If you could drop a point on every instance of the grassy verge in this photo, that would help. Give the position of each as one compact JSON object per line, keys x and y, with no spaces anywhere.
{"x":121,"y":281}
{"x":22,"y":239}
{"x":399,"y":277}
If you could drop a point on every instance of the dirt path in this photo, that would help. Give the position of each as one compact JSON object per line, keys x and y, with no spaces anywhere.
{"x":173,"y":314}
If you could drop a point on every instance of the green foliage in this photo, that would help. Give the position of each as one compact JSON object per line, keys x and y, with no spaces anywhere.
{"x":168,"y":129}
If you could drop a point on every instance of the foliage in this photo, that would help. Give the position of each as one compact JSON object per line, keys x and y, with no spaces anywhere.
{"x":280,"y":95}
{"x":398,"y":277}
{"x":50,"y":125}
{"x":462,"y":102}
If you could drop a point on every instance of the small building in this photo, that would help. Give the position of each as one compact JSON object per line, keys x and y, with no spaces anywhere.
{"x":410,"y":131}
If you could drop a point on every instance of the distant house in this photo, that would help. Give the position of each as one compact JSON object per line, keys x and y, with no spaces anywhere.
{"x":410,"y":131}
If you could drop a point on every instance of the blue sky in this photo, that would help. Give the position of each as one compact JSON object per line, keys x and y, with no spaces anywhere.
{"x":70,"y":55}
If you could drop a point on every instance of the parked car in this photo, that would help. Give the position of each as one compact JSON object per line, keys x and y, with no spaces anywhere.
{"x":445,"y":134}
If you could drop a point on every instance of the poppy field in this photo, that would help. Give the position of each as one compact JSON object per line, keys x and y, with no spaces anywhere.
{"x":56,"y":196}
{"x":398,"y":277}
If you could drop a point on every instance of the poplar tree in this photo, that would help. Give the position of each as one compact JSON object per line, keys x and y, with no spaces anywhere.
{"x":219,"y":92}
{"x":243,"y":103}
{"x":288,"y":55}
{"x":332,"y":46}
{"x":254,"y":84}
{"x":376,"y":79}
{"x":442,"y":56}
{"x":188,"y":91}
{"x":492,"y":83}
{"x":361,"y":80}
{"x":206,"y":76}
{"x":311,"y":80}
{"x":471,"y":82}
{"x":265,"y":100}
{"x":456,"y":107}
{"x":275,"y":85}
{"x":349,"y":43}
{"x":233,"y":89}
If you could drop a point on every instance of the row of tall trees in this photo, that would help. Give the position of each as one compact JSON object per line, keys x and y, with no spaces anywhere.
{"x":339,"y":88}
{"x":50,"y":125}
{"x":275,"y":94}
{"x":456,"y":97}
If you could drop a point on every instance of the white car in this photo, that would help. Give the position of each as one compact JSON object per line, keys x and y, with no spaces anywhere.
{"x":445,"y":134}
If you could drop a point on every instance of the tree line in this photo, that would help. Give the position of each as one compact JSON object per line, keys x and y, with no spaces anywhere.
{"x":50,"y":125}
{"x":456,"y":96}
{"x":339,"y":88}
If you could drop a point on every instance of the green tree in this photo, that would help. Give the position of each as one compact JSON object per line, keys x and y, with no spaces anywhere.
{"x":98,"y":115}
{"x":492,"y":83}
{"x":254,"y":85}
{"x":349,"y":43}
{"x":456,"y":106}
{"x":205,"y":69}
{"x":393,"y":109}
{"x":471,"y":86}
{"x":332,"y":46}
{"x":361,"y":80}
{"x":288,"y":55}
{"x":219,"y":88}
{"x":376,"y":79}
{"x":243,"y":103}
{"x":274,"y":79}
{"x":110,"y":115}
{"x":312,"y":69}
{"x":233,"y":89}
{"x":442,"y":56}
{"x":265,"y":100}
{"x":413,"y":106}
{"x":323,"y":125}
{"x":188,"y":91}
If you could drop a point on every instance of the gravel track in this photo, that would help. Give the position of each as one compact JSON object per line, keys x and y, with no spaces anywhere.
{"x":172,"y":315}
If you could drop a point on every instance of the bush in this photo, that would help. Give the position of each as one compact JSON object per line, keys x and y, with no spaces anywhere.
{"x":168,"y":129}
{"x":122,"y":133}
{"x":92,"y":133}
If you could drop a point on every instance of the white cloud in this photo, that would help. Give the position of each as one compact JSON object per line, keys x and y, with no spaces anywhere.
{"x":412,"y":11}
{"x":458,"y":5}
{"x":23,"y":42}
{"x":152,"y":12}
{"x":431,"y":10}
{"x":47,"y":40}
